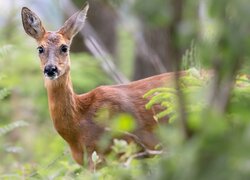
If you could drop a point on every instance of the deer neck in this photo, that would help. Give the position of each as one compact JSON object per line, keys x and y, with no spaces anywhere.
{"x":62,"y":103}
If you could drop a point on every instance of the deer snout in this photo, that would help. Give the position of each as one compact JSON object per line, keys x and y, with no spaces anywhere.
{"x":51,"y":72}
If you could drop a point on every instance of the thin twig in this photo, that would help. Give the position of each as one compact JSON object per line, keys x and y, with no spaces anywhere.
{"x":35,"y":173}
{"x":146,"y":152}
{"x":136,"y":139}
{"x":142,"y":154}
{"x":151,"y":55}
{"x":94,"y":44}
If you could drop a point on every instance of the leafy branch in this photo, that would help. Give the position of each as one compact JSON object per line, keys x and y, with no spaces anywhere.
{"x":190,"y":84}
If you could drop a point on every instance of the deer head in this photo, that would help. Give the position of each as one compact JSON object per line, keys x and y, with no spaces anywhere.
{"x":53,"y":47}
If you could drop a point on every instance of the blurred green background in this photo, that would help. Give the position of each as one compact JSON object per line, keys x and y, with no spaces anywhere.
{"x":209,"y":133}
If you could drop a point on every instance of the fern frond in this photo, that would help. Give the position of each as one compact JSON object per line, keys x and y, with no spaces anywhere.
{"x":3,"y":93}
{"x":4,"y":50}
{"x":167,"y":112}
{"x":190,"y":84}
{"x":159,"y":98}
{"x":159,"y":90}
{"x":10,"y":127}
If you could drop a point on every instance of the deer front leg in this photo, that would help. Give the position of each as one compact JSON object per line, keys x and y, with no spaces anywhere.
{"x":77,"y":154}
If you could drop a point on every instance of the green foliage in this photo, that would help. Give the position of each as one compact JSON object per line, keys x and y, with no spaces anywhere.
{"x":3,"y":93}
{"x":190,"y":58}
{"x":219,"y":145}
{"x":191,"y":84}
{"x":166,"y":97}
{"x":122,"y":147}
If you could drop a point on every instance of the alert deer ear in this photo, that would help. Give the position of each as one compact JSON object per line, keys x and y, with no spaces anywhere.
{"x":75,"y":23}
{"x":32,"y":24}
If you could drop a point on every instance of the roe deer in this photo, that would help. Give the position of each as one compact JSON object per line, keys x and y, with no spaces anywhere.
{"x":74,"y":115}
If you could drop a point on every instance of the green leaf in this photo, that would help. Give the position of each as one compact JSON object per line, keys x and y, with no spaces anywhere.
{"x":123,"y":122}
{"x":119,"y":145}
{"x":3,"y":93}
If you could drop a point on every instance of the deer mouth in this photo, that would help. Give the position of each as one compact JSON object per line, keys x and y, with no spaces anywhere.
{"x":51,"y":77}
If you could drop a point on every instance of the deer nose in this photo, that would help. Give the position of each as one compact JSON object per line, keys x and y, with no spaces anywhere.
{"x":50,"y":71}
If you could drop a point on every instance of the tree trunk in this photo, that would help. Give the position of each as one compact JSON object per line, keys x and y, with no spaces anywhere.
{"x":102,"y":18}
{"x":161,"y":42}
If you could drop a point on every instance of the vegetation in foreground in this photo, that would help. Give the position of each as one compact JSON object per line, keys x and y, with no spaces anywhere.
{"x":210,"y":142}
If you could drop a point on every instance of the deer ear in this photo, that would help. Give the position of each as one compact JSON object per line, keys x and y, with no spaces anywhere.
{"x":32,"y":24}
{"x":75,"y":23}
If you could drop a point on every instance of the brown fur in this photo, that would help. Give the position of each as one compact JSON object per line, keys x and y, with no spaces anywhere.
{"x":74,"y":115}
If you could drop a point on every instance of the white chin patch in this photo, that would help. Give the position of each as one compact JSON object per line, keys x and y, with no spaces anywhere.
{"x":51,"y":77}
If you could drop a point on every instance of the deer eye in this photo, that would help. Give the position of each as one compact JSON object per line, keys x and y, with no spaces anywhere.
{"x":40,"y":50}
{"x":64,"y":48}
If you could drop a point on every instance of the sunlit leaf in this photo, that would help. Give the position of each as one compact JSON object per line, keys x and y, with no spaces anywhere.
{"x":123,"y":122}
